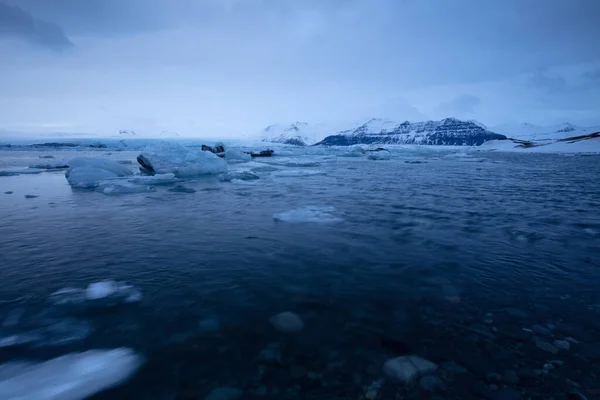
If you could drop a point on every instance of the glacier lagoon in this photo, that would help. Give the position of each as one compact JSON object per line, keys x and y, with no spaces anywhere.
{"x":482,"y":263}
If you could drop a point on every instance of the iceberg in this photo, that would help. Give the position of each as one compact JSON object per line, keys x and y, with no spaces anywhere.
{"x":158,"y":179}
{"x":115,"y":187}
{"x":165,"y":158}
{"x":87,"y":172}
{"x":73,"y":376}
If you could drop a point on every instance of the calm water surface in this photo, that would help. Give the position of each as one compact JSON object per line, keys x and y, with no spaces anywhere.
{"x":449,"y":258}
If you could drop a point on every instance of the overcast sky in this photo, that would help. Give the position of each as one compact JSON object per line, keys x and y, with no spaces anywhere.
{"x":231,"y":67}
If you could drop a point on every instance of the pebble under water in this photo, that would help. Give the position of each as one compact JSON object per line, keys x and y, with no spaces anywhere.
{"x":484,"y":264}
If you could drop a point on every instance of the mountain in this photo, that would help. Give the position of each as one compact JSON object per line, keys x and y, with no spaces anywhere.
{"x":526,"y":131}
{"x":298,"y":133}
{"x":449,"y":132}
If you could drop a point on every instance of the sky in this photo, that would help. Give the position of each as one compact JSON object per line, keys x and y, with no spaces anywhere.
{"x":232,"y":67}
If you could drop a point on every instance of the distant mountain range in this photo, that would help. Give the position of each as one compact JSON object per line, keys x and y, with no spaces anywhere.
{"x":538,"y":133}
{"x":449,"y":131}
{"x":130,"y":133}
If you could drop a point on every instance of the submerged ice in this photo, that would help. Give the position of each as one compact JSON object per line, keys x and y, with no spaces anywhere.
{"x":313,"y":214}
{"x":70,"y":377}
{"x":98,"y":294}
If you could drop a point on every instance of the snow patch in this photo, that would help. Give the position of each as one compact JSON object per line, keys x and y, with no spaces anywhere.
{"x":70,"y":377}
{"x":313,"y":214}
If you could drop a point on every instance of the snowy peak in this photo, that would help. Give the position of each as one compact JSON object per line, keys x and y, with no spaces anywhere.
{"x":298,"y":133}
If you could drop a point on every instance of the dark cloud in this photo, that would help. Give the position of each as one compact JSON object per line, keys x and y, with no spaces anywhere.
{"x":548,"y":83}
{"x":464,"y":104}
{"x":19,"y":24}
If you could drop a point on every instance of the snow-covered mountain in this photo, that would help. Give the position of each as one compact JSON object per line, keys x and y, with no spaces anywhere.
{"x":130,"y":133}
{"x":532,"y":132}
{"x":298,"y":133}
{"x":449,"y":131}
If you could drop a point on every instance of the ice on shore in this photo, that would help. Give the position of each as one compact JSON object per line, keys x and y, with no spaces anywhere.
{"x":168,"y":157}
{"x":87,"y":172}
{"x":73,"y":376}
{"x":312,"y":214}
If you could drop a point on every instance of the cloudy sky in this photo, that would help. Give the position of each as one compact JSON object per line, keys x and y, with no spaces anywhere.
{"x":231,"y":67}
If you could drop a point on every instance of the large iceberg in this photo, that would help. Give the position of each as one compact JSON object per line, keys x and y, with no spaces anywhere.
{"x":70,"y":377}
{"x":170,"y":157}
{"x":87,"y":172}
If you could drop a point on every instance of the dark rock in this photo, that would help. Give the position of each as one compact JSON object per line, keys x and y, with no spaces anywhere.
{"x":224,"y":393}
{"x":541,"y":330}
{"x":575,"y":331}
{"x":480,"y":389}
{"x":516,"y":313}
{"x":431,"y":383}
{"x":8,"y":192}
{"x":493,"y":377}
{"x":297,"y":372}
{"x":510,"y":377}
{"x":590,"y":350}
{"x":545,"y":346}
{"x":507,"y":393}
{"x":30,"y":196}
{"x":527,"y":373}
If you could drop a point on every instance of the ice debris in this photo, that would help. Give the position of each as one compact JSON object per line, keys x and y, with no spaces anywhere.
{"x":170,"y":157}
{"x":87,"y":172}
{"x":51,"y":165}
{"x":158,"y":179}
{"x":312,"y":214}
{"x":73,"y":376}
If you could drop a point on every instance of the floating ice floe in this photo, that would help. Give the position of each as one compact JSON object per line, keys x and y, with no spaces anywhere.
{"x":50,"y":165}
{"x":98,"y":294}
{"x":116,"y":187}
{"x":239,"y":175}
{"x":379,"y":155}
{"x":182,"y":161}
{"x":87,"y":173}
{"x":21,"y":171}
{"x":308,"y":214}
{"x":158,"y":179}
{"x":294,"y":173}
{"x":73,"y":376}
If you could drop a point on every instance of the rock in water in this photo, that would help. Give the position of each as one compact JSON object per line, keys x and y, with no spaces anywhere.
{"x":287,"y":322}
{"x":224,"y":393}
{"x":507,"y":394}
{"x":407,"y":368}
{"x":546,"y":346}
{"x":431,"y":383}
{"x":562,"y":344}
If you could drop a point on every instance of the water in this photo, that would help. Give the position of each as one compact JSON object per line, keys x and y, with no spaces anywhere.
{"x":449,"y":258}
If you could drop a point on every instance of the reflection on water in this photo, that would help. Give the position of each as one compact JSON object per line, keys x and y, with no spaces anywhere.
{"x":484,"y":264}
